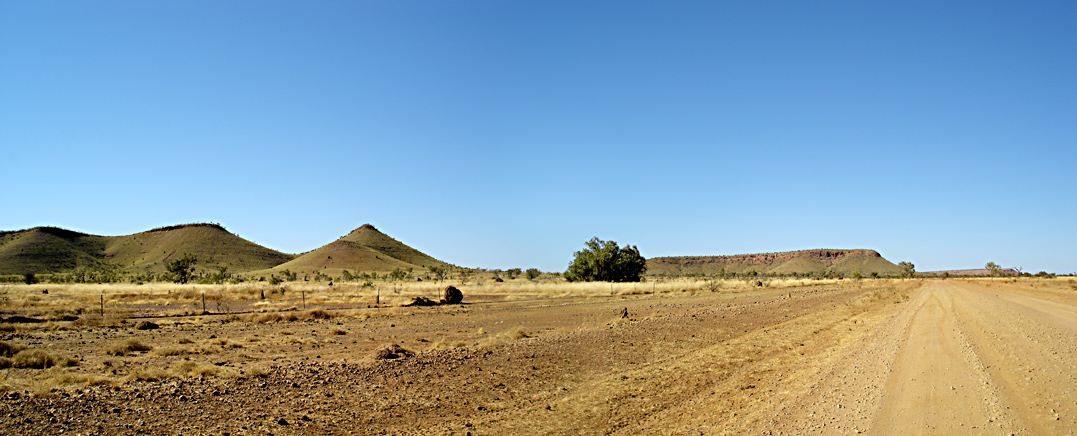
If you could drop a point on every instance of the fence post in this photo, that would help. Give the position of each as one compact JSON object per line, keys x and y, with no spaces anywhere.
{"x":102,"y":305}
{"x":203,"y":302}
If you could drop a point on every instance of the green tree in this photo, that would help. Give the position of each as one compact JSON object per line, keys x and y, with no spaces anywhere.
{"x":908,"y":270}
{"x":513,"y":273}
{"x":221,"y":275}
{"x":398,"y":274}
{"x":533,"y":273}
{"x":288,"y":276}
{"x":438,"y":272}
{"x":29,"y":278}
{"x":993,"y":268}
{"x":606,"y":261}
{"x":181,"y":269}
{"x":465,"y":273}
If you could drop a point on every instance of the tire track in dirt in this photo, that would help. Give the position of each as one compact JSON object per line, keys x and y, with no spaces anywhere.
{"x":1027,"y":345}
{"x":844,"y":385}
{"x":938,"y":385}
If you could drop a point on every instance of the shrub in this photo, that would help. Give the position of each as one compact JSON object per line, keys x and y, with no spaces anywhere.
{"x":181,"y":269}
{"x":127,"y":347}
{"x":37,"y":359}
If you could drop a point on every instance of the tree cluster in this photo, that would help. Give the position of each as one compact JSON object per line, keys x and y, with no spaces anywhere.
{"x":606,"y":261}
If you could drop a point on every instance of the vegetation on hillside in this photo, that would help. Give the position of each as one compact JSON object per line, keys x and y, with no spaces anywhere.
{"x":83,"y":257}
{"x":181,"y":268}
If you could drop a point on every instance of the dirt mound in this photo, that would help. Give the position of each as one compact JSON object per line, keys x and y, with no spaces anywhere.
{"x":146,"y":325}
{"x":451,"y":295}
{"x":421,"y":301}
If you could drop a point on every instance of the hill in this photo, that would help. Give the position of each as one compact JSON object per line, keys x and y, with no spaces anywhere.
{"x":364,"y":249}
{"x":49,"y":249}
{"x":976,"y":272}
{"x":211,"y":243}
{"x":55,"y":250}
{"x":800,"y":262}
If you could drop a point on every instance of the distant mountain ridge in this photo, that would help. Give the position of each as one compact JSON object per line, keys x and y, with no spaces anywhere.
{"x":801,"y":262}
{"x":975,"y":272}
{"x":43,"y":250}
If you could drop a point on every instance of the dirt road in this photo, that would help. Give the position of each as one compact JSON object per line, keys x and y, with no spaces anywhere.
{"x":958,"y":358}
{"x":907,"y":357}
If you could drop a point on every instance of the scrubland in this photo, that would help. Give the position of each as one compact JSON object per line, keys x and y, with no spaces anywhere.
{"x":670,"y":357}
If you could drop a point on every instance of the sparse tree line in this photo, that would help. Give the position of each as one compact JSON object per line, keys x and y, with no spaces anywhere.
{"x":598,"y":261}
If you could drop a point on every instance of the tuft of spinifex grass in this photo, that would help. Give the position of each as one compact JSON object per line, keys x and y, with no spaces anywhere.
{"x":129,"y":346}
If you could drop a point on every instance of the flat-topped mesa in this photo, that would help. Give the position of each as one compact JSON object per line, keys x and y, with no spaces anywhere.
{"x":802,"y":262}
{"x":823,"y":255}
{"x":184,"y":226}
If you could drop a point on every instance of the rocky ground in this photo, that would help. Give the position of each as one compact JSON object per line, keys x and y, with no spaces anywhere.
{"x":905,"y":357}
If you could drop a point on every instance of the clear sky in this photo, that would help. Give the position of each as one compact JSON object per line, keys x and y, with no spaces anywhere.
{"x":507,"y":133}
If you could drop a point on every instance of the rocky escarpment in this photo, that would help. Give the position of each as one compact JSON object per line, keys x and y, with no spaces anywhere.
{"x":802,"y":262}
{"x":826,"y":256}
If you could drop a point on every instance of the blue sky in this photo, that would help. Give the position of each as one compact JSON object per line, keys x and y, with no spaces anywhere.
{"x":507,"y":133}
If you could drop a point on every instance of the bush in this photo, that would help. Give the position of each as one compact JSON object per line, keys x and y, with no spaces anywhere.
{"x":181,"y":269}
{"x":605,"y":261}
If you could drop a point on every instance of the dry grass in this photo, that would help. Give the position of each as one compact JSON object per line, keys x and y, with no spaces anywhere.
{"x":126,"y":347}
{"x":36,"y":359}
{"x":19,"y":356}
{"x":258,"y":371}
{"x":504,"y":337}
{"x":298,"y":341}
{"x":8,"y":349}
{"x":181,"y":369}
{"x":439,"y":345}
